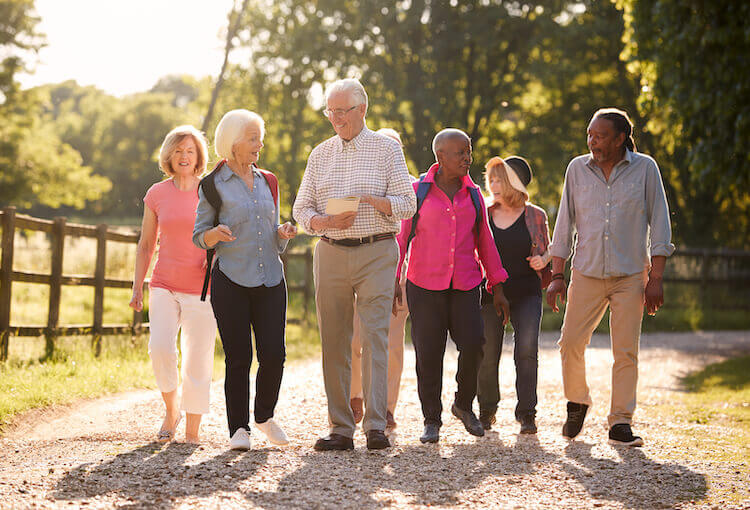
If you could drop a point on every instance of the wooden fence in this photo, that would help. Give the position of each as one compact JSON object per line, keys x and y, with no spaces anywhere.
{"x":58,"y":229}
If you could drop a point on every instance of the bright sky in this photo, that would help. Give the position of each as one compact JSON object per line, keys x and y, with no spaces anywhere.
{"x":126,"y":46}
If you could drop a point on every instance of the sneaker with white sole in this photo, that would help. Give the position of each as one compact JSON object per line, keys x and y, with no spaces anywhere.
{"x":621,"y":434}
{"x":240,"y":440}
{"x":273,"y":432}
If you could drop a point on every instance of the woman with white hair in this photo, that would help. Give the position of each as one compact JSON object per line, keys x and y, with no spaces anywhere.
{"x":175,"y":287}
{"x":247,"y":280}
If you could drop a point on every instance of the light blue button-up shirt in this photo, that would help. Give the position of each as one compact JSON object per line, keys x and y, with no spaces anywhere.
{"x":619,"y":223}
{"x":252,"y":259}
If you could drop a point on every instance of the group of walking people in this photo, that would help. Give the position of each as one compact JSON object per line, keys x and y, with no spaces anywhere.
{"x":433,"y":248}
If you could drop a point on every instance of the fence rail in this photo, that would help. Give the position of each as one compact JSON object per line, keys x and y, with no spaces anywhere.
{"x":58,"y":229}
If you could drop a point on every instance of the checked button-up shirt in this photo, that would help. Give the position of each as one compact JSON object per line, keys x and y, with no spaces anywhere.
{"x":370,"y":164}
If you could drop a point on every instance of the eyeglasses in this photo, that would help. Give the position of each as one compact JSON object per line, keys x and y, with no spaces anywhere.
{"x":338,"y":112}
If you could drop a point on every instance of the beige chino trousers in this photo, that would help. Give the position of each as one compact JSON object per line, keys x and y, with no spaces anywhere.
{"x":396,"y":334}
{"x":340,"y":272}
{"x":588,"y":299}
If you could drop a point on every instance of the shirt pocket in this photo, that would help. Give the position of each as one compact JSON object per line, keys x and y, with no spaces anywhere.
{"x":631,"y":197}
{"x":234,"y":214}
{"x":587,"y":199}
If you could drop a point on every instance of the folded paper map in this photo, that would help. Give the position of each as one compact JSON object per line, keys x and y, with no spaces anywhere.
{"x":342,"y":205}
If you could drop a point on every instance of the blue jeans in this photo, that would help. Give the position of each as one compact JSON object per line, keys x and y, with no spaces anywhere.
{"x":526,"y":317}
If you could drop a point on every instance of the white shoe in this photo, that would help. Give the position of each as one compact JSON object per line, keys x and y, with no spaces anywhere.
{"x":273,"y":432}
{"x":240,"y":440}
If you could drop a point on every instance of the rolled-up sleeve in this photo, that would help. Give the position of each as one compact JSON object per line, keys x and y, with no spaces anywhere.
{"x":562,"y":237}
{"x":204,"y":220}
{"x":400,"y":191}
{"x":304,"y":205}
{"x":660,"y":235}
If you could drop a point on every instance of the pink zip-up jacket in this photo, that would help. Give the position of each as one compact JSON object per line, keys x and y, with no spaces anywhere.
{"x":445,"y":245}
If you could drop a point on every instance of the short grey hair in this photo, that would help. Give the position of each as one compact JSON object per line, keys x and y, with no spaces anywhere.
{"x":231,"y":127}
{"x":444,"y":135}
{"x":351,"y":85}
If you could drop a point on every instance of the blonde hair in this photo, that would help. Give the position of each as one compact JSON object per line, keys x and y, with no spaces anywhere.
{"x":231,"y":127}
{"x":497,"y":167}
{"x":173,"y":139}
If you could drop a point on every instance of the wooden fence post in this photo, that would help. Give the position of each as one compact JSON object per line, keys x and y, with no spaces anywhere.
{"x":307,"y":292}
{"x":55,"y":284}
{"x":99,"y":273}
{"x":6,"y":278}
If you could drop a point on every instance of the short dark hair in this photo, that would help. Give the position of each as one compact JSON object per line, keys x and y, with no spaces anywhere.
{"x":621,"y":123}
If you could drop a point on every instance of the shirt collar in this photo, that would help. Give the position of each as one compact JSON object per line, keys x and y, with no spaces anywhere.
{"x":628,"y":158}
{"x":355,"y":143}
{"x":466,"y":181}
{"x":225,"y":173}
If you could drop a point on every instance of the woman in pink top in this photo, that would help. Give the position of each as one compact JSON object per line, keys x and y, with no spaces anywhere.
{"x":451,"y":237}
{"x":176,"y":284}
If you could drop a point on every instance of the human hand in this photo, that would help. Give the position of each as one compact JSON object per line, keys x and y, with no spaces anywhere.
{"x":502,"y":307}
{"x":556,"y":288}
{"x":342,"y":221}
{"x":654,"y":294}
{"x":136,"y":302}
{"x":286,"y":231}
{"x":218,"y":233}
{"x":398,"y":299}
{"x":536,"y":262}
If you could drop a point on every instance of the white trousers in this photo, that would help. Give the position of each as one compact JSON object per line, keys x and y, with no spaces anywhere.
{"x":169,"y":312}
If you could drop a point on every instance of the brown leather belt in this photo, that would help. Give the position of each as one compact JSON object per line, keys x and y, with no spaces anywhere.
{"x":358,"y":241}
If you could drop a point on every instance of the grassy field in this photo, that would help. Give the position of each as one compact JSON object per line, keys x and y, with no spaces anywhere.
{"x":711,"y":419}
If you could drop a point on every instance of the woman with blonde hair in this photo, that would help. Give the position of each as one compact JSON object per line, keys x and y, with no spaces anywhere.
{"x":522,"y":236}
{"x":175,"y":287}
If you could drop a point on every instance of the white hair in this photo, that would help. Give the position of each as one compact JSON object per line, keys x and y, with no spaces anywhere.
{"x":390,"y":133}
{"x":446,"y":134}
{"x":351,"y":85}
{"x":232,"y":127}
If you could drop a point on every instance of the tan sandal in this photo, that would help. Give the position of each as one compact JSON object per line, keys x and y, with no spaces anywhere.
{"x":168,"y":435}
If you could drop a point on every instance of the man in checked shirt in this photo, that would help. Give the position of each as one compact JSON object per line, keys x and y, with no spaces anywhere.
{"x":357,"y":254}
{"x":613,"y":199}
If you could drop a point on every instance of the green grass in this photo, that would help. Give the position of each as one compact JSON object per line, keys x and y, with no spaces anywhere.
{"x":711,"y":419}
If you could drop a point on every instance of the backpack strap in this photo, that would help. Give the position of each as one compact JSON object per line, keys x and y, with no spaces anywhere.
{"x":208,"y":186}
{"x":422,"y":189}
{"x":478,"y":206}
{"x":273,"y":183}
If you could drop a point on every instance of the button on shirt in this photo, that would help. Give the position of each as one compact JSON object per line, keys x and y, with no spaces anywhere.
{"x":615,"y":225}
{"x":445,"y":250}
{"x":252,"y":259}
{"x":370,"y":164}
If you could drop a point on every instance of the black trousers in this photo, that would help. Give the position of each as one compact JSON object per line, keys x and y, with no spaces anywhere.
{"x":434,"y":313}
{"x":237,"y":310}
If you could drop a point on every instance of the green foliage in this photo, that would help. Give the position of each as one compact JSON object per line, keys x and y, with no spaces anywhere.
{"x":691,"y":58}
{"x":36,"y":167}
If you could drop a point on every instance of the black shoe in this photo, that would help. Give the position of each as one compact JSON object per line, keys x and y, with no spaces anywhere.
{"x":469,"y":419}
{"x":621,"y":434}
{"x":431,"y":433}
{"x":574,"y":423}
{"x":376,"y":440}
{"x":487,"y":419}
{"x":528,"y":425}
{"x":334,"y":442}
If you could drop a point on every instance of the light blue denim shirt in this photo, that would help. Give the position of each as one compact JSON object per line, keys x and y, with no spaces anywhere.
{"x":615,"y":225}
{"x":252,"y":259}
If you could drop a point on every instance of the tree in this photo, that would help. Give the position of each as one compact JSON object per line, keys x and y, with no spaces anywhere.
{"x":35,"y":165}
{"x":692,"y":59}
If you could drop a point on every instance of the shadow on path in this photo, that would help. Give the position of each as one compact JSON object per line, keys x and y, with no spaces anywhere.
{"x":156,"y":475}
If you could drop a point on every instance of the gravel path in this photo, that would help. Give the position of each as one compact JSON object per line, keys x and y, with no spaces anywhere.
{"x":99,"y":454}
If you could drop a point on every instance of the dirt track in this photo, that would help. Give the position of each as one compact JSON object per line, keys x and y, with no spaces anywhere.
{"x":99,"y":454}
